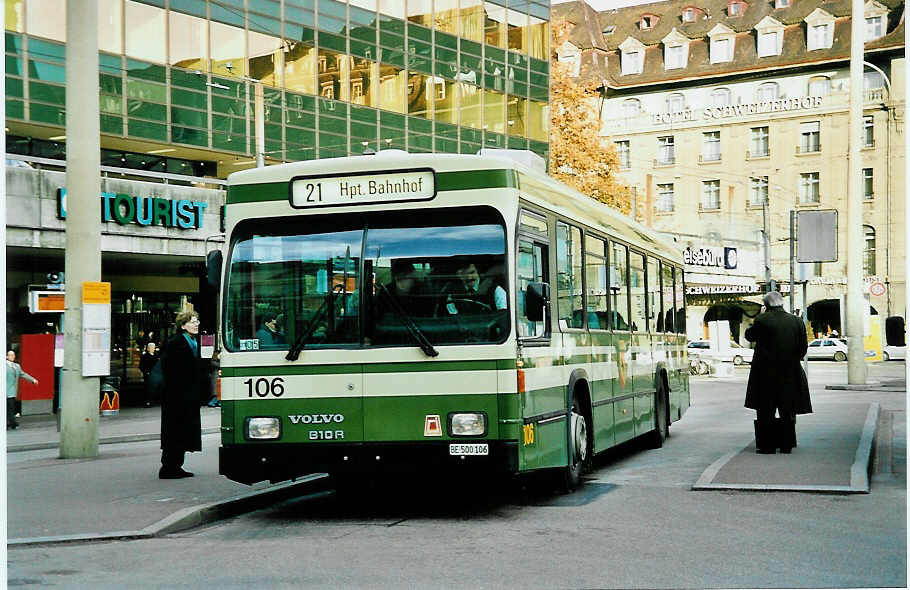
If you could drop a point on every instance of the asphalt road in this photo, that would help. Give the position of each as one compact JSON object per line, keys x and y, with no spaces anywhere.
{"x":635,"y":524}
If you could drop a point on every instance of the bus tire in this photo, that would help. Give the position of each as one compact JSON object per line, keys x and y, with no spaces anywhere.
{"x":579,"y":445}
{"x":661,"y":430}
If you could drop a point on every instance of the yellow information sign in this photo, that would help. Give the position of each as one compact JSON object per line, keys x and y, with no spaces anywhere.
{"x":96,"y":292}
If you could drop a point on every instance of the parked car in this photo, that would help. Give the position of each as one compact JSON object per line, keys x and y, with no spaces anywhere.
{"x":738,"y":354}
{"x":894,"y":353}
{"x":827,"y":349}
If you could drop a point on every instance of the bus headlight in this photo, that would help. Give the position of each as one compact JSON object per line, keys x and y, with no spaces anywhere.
{"x":467,"y":424}
{"x":263,"y":428}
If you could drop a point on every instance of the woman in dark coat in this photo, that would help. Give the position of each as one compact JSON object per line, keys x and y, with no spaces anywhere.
{"x":776,"y":379}
{"x":181,"y":426}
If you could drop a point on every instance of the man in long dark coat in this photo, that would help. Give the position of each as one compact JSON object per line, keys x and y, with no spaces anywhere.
{"x":181,"y":425}
{"x":777,"y":382}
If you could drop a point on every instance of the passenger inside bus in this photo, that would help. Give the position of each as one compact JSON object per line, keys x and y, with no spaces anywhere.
{"x":270,"y":332}
{"x":408,"y":289}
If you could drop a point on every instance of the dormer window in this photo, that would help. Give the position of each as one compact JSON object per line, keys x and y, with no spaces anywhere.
{"x":781,"y":3}
{"x":770,"y":37}
{"x":676,"y":50}
{"x":819,"y":30}
{"x":722,"y":43}
{"x":632,"y":60}
{"x":876,"y":20}
{"x":647,"y":22}
{"x":689,"y":14}
{"x":736,"y":8}
{"x":609,"y":29}
{"x":569,"y":55}
{"x":873,"y":28}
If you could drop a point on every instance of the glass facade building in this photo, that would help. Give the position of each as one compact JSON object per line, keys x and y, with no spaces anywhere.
{"x":338,"y":77}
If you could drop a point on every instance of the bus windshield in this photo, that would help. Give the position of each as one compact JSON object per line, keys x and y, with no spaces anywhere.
{"x":367,"y":280}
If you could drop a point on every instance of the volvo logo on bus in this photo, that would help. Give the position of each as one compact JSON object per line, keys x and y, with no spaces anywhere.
{"x":316,"y":418}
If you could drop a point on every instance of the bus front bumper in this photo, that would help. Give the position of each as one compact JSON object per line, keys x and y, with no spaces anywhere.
{"x":249,"y":464}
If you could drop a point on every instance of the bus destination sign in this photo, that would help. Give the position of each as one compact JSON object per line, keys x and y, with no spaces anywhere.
{"x":367,"y":189}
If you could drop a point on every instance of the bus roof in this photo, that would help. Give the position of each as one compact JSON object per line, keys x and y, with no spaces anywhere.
{"x":541,"y":188}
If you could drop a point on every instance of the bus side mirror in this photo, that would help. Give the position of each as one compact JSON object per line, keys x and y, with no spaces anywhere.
{"x":537,"y":297}
{"x":213,"y":261}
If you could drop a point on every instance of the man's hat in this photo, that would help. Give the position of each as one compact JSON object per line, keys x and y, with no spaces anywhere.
{"x":773,"y":299}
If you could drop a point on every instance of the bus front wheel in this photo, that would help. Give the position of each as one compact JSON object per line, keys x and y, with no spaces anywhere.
{"x":579,"y":446}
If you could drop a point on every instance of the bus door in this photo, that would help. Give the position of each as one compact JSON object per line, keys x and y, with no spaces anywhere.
{"x":542,"y":405}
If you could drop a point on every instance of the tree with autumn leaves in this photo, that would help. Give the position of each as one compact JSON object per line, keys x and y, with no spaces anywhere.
{"x":579,"y":156}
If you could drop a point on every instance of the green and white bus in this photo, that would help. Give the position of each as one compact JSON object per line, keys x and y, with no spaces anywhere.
{"x":405,"y":312}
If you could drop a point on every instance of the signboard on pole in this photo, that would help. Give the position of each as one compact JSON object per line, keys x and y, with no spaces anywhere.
{"x":816,"y":236}
{"x":96,"y":329}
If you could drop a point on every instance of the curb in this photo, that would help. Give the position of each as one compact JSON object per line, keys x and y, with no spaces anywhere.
{"x":859,"y":470}
{"x":192,"y":516}
{"x":108,"y":440}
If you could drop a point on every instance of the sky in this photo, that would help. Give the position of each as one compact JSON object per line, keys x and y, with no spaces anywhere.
{"x":600,"y":5}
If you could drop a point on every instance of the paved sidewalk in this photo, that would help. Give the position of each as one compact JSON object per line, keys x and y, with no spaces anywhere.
{"x":833,"y":455}
{"x":118,"y":494}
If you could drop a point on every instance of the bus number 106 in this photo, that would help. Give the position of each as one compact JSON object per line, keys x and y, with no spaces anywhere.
{"x":264,"y":388}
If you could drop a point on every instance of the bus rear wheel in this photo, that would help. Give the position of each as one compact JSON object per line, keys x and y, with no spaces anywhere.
{"x":579,"y":447}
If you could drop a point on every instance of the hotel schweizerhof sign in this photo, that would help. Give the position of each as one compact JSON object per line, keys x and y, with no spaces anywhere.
{"x":739,"y":110}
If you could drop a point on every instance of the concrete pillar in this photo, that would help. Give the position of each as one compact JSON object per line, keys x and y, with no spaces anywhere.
{"x":78,"y":394}
{"x":856,"y":362}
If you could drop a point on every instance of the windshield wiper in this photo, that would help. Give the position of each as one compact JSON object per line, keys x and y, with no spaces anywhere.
{"x":413,"y":329}
{"x":294,"y":353}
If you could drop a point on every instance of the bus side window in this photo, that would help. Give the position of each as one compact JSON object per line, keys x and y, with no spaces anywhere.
{"x":680,"y":302}
{"x":569,"y":291}
{"x":619,"y":287}
{"x":637,"y":292}
{"x":531,"y":268}
{"x":655,"y":323}
{"x":668,"y":297}
{"x":596,"y":282}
